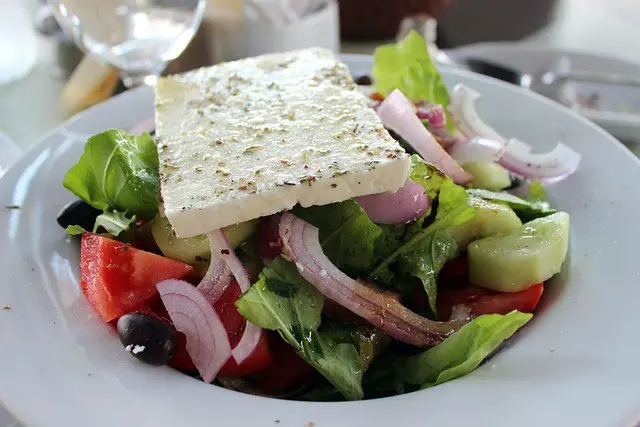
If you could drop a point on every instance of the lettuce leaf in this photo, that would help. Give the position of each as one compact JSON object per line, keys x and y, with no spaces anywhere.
{"x":426,"y":261}
{"x":114,"y":222}
{"x":426,"y":175}
{"x":117,"y":172}
{"x":283,"y":301}
{"x":536,"y":192}
{"x":407,"y":66}
{"x":526,"y":210}
{"x":347,"y":235}
{"x":423,"y":254}
{"x":462,"y":352}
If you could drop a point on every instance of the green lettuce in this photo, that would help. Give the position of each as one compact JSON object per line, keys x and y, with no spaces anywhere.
{"x":114,"y":222}
{"x":526,"y":210}
{"x":462,"y":352}
{"x":424,"y":253}
{"x":117,"y":172}
{"x":283,"y":301}
{"x":536,"y":192}
{"x":426,"y":175}
{"x":347,"y":235}
{"x":408,"y":67}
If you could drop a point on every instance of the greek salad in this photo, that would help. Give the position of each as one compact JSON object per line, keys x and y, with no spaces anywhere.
{"x":374,"y":296}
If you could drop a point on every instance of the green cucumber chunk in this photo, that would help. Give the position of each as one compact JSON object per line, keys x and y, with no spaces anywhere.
{"x":490,"y":219}
{"x":530,"y":255}
{"x":488,"y":175}
{"x":195,"y":250}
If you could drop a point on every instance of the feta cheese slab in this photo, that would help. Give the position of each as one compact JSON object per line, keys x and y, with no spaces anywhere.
{"x":250,"y":138}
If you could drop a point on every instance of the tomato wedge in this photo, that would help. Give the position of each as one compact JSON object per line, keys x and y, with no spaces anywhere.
{"x":482,"y":301}
{"x":234,"y":324}
{"x":287,"y":371}
{"x":117,"y":278}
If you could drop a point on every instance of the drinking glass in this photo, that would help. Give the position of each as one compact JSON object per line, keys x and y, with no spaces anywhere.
{"x":138,"y":37}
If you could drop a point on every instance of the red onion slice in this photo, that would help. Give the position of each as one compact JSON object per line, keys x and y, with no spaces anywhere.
{"x":477,"y":150}
{"x":191,"y":313}
{"x":221,"y":249}
{"x":517,"y":157}
{"x":435,"y":114}
{"x":218,"y":278}
{"x":467,"y":121}
{"x":407,"y":204}
{"x":302,"y":246}
{"x":398,"y":113}
{"x":554,"y":165}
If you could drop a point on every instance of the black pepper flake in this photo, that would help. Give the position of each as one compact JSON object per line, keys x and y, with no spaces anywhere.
{"x":306,"y":166}
{"x":334,"y":185}
{"x":12,"y":207}
{"x":289,"y":183}
{"x":6,"y":307}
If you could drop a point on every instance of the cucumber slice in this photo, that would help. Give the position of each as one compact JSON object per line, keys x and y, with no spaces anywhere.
{"x":490,"y":219}
{"x":195,"y":250}
{"x":516,"y":261}
{"x":488,"y":175}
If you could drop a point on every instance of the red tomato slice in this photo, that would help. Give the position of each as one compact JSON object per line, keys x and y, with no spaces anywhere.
{"x":270,"y":246}
{"x":481,"y":301}
{"x":377,"y":96}
{"x":117,"y":278}
{"x":287,"y":371}
{"x":235,"y":324}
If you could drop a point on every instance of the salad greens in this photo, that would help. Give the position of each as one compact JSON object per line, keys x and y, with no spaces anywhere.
{"x":536,"y":192}
{"x":526,"y":210}
{"x":462,"y":352}
{"x":283,"y":301}
{"x":347,"y":235}
{"x":117,"y":172}
{"x":425,"y":252}
{"x":407,"y":66}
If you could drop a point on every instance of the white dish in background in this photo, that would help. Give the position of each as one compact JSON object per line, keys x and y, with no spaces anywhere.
{"x":574,"y":365}
{"x":528,"y":58}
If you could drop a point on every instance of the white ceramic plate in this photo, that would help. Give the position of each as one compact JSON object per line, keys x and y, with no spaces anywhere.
{"x":529,"y":58}
{"x":575,"y":365}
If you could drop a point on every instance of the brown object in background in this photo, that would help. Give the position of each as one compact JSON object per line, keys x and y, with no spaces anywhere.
{"x":380,"y":19}
{"x":473,"y":21}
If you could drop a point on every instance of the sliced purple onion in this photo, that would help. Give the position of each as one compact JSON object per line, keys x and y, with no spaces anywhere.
{"x":477,"y":150}
{"x":301,"y":245}
{"x":398,"y":113}
{"x":435,"y":114}
{"x":465,"y":117}
{"x":407,"y":204}
{"x":191,"y":313}
{"x":554,"y":165}
{"x":221,"y":249}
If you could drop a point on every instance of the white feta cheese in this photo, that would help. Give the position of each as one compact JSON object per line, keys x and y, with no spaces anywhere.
{"x":251,"y":138}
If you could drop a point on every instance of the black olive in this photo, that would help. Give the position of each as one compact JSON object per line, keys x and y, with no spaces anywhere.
{"x":148,"y":338}
{"x":364,"y":81}
{"x":78,"y":213}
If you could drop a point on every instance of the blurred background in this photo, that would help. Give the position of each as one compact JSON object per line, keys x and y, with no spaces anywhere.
{"x":592,"y":45}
